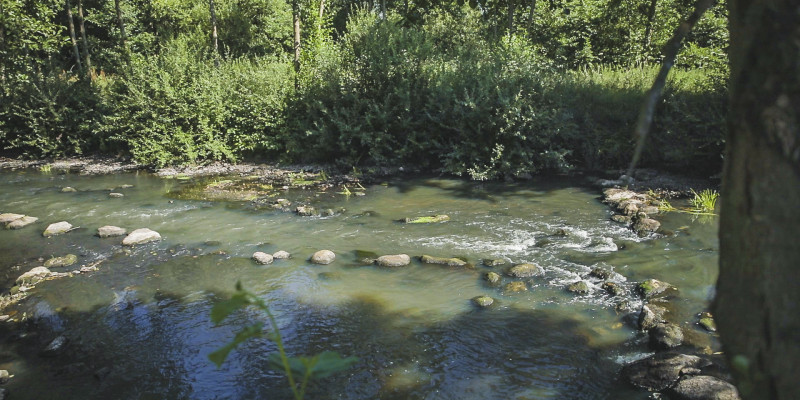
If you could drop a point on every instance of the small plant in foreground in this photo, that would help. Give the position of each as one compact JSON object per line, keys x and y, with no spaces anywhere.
{"x":308,"y":368}
{"x":704,"y":202}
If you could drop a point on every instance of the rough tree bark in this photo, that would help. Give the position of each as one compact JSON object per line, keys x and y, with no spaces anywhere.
{"x":758,"y":301}
{"x":86,"y":53}
{"x":214,"y":38}
{"x":72,"y":36}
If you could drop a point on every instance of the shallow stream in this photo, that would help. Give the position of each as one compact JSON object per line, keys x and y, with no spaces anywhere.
{"x":139,"y":327}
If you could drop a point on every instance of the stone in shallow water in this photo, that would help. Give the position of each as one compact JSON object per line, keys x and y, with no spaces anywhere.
{"x":665,"y":336}
{"x":22,"y":222}
{"x":33,"y":276}
{"x":427,"y":220}
{"x":515,"y":287}
{"x":68,"y":189}
{"x":57,"y":228}
{"x":493,"y":262}
{"x":652,"y":287}
{"x":661,"y":370}
{"x":450,"y":262}
{"x":323,"y":257}
{"x":579,"y":287}
{"x":483,"y":301}
{"x":115,"y":195}
{"x":394,"y":260}
{"x":492,"y":277}
{"x":64,"y":261}
{"x":703,"y":387}
{"x":262,"y":258}
{"x":110,"y":231}
{"x":281,"y":255}
{"x":525,"y":271}
{"x":141,"y":236}
{"x":6,"y":218}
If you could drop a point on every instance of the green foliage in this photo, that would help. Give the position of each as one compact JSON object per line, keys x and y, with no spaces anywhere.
{"x":174,"y":108}
{"x":704,"y":202}
{"x":309,"y":368}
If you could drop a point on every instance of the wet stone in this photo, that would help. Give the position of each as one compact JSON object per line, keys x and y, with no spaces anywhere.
{"x":613,"y":288}
{"x":323,"y":257}
{"x":305,"y":211}
{"x":650,"y":316}
{"x":702,"y":387}
{"x":141,"y":236}
{"x":110,"y":231}
{"x":22,"y":222}
{"x":525,"y":271}
{"x":483,"y":301}
{"x":33,"y":276}
{"x":57,"y":228}
{"x":450,"y":262}
{"x":580,"y":287}
{"x":68,"y":189}
{"x":493,"y":262}
{"x":55,"y":347}
{"x":64,"y":261}
{"x":652,"y":287}
{"x":665,"y":336}
{"x":661,"y":370}
{"x":396,"y":260}
{"x":515,"y":287}
{"x":492,"y":277}
{"x":707,"y":322}
{"x":600,"y":273}
{"x":281,"y":255}
{"x":262,"y":258}
{"x":427,"y":220}
{"x":115,"y":195}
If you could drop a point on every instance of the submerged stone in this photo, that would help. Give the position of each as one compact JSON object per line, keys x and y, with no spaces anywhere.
{"x":665,"y":336}
{"x":68,"y":189}
{"x":662,"y":370}
{"x":492,"y":277}
{"x":707,"y":322}
{"x":141,"y":236}
{"x":525,"y":271}
{"x":600,"y":273}
{"x":57,"y":228}
{"x":427,"y":220}
{"x":483,"y":301}
{"x":110,"y":231}
{"x":652,"y":287}
{"x":579,"y":287}
{"x":64,"y":261}
{"x":495,"y":262}
{"x":262,"y":258}
{"x":515,"y":287}
{"x":396,"y":260}
{"x":115,"y":195}
{"x":323,"y":257}
{"x":55,"y":347}
{"x":613,"y":289}
{"x":450,"y":262}
{"x":305,"y":211}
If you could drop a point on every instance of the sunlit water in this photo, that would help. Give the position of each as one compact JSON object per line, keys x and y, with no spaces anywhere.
{"x":141,"y":323}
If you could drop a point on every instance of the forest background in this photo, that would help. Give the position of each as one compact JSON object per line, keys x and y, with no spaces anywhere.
{"x":486,"y":89}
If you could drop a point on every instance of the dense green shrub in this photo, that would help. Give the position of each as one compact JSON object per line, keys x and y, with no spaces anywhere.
{"x":174,"y":108}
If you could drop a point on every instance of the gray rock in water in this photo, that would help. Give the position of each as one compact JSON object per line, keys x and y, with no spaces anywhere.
{"x":55,"y":347}
{"x":643,"y":225}
{"x":661,"y":370}
{"x":652,"y":287}
{"x":483,"y":301}
{"x":57,"y":228}
{"x":141,"y":236}
{"x":305,"y":211}
{"x":525,"y":271}
{"x":6,"y":218}
{"x":323,"y":257}
{"x":33,"y":276}
{"x":613,"y":289}
{"x":703,"y":387}
{"x":427,"y":220}
{"x":622,"y":219}
{"x":397,"y":260}
{"x":68,"y":189}
{"x":281,"y":255}
{"x":64,"y":261}
{"x":450,"y":262}
{"x":650,"y":316}
{"x":110,"y":231}
{"x":115,"y":195}
{"x":579,"y":287}
{"x":492,"y":277}
{"x":493,"y":262}
{"x":665,"y":336}
{"x":515,"y":287}
{"x":600,"y":273}
{"x":22,"y":222}
{"x":262,"y":258}
{"x":707,"y":322}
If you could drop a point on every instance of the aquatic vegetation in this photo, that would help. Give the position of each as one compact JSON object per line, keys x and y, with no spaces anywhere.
{"x":704,"y":202}
{"x":309,"y":368}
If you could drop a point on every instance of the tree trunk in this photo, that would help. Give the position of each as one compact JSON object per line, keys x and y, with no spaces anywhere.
{"x":383,"y":9}
{"x":758,"y":301}
{"x":296,"y":18}
{"x":648,"y":29}
{"x":3,"y":54}
{"x":530,"y":15}
{"x":511,"y":5}
{"x":122,"y":38}
{"x":321,"y":14}
{"x":86,"y":55}
{"x":214,"y":39}
{"x":72,"y":36}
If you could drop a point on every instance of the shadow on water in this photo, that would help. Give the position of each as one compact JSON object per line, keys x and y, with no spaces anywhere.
{"x":157,"y":348}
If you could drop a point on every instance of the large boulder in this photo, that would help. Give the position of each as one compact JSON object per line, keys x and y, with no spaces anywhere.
{"x":450,"y":262}
{"x":33,"y":276}
{"x":661,"y":370}
{"x":57,"y":228}
{"x":64,"y":261}
{"x":396,"y":260}
{"x":110,"y":231}
{"x":525,"y":271}
{"x":665,"y":336}
{"x":323,"y":257}
{"x":262,"y":258}
{"x":6,"y":218}
{"x":141,"y":236}
{"x":703,"y":387}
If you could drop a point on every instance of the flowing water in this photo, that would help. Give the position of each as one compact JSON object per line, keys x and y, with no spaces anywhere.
{"x":139,"y":327}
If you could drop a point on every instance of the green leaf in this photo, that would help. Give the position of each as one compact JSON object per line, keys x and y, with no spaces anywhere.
{"x":218,"y":356}
{"x":224,"y":308}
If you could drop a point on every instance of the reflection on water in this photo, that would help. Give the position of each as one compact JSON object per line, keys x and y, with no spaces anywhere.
{"x":139,"y":327}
